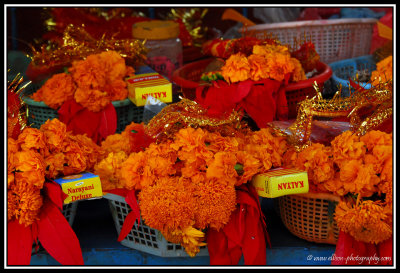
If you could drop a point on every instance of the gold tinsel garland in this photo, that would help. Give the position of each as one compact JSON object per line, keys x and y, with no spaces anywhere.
{"x":188,"y":113}
{"x":78,"y":44}
{"x":378,"y":101}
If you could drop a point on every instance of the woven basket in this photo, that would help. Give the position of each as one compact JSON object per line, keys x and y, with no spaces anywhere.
{"x":39,"y":112}
{"x":334,"y":39}
{"x":310,"y":216}
{"x":142,"y":237}
{"x":345,"y":69}
{"x":188,"y":78}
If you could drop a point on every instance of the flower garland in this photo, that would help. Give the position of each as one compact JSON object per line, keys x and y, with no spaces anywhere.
{"x":93,"y":82}
{"x":187,"y":182}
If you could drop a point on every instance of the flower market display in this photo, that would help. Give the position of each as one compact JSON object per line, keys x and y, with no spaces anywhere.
{"x":254,"y":120}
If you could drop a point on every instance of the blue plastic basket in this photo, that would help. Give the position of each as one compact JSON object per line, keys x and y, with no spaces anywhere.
{"x":347,"y":69}
{"x":39,"y":112}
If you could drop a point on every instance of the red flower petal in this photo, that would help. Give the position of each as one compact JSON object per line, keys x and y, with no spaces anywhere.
{"x":19,"y":243}
{"x":57,"y":237}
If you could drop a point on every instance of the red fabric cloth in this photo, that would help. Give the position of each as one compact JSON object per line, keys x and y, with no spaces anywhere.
{"x":245,"y":233}
{"x":264,"y":101}
{"x":80,"y":120}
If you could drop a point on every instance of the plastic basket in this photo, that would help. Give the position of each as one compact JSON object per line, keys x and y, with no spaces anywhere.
{"x":188,"y":78}
{"x":142,"y":237}
{"x":310,"y":216}
{"x":334,"y":39}
{"x":69,"y":211}
{"x":39,"y":112}
{"x":345,"y":69}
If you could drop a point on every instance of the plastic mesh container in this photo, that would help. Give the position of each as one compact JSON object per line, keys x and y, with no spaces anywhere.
{"x":188,"y":78}
{"x":310,"y":216}
{"x":334,"y":39}
{"x":349,"y":68}
{"x":39,"y":112}
{"x":69,"y":211}
{"x":142,"y":237}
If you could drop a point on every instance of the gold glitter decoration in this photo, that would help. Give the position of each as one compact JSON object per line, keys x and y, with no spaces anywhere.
{"x":192,"y":19}
{"x":378,"y":101}
{"x":78,"y":44}
{"x":16,"y":112}
{"x":187,"y":113}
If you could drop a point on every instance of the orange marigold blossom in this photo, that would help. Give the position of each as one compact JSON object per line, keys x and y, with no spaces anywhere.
{"x":318,"y":163}
{"x":365,"y":221}
{"x":298,"y":71}
{"x":89,"y":73}
{"x":374,"y":137}
{"x":56,"y":90}
{"x":251,"y":167}
{"x":91,"y":151}
{"x":359,"y":178}
{"x":236,"y":68}
{"x":259,"y":68}
{"x":190,"y":238}
{"x":55,"y":132}
{"x":109,"y":170}
{"x":116,"y":143}
{"x":217,"y":143}
{"x":222,"y":166}
{"x":93,"y":99}
{"x":117,"y":90}
{"x":167,"y":204}
{"x":347,"y":146}
{"x":387,"y":170}
{"x":54,"y":165}
{"x":74,"y":160}
{"x":24,"y":202}
{"x":29,"y":166}
{"x":135,"y":173}
{"x":383,"y":72}
{"x":32,"y":138}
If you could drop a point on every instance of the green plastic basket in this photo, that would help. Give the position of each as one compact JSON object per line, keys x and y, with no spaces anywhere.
{"x":39,"y":112}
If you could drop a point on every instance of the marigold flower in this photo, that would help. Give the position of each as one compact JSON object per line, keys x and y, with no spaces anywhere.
{"x":366,"y":221}
{"x":259,"y":68}
{"x":93,"y":99}
{"x":298,"y":71}
{"x":29,"y":166}
{"x":91,"y":151}
{"x":56,"y":90}
{"x":32,"y":138}
{"x":135,"y":173}
{"x":387,"y":170}
{"x":75,"y":160}
{"x":109,"y":170}
{"x":54,"y":163}
{"x":236,"y":68}
{"x":89,"y":73}
{"x":347,"y":146}
{"x":55,"y":132}
{"x":12,"y":149}
{"x":190,"y":238}
{"x":116,"y":143}
{"x":116,"y":90}
{"x":374,"y":138}
{"x":251,"y":167}
{"x":24,"y":202}
{"x":167,"y":205}
{"x":222,"y":167}
{"x":383,"y":72}
{"x":359,"y":178}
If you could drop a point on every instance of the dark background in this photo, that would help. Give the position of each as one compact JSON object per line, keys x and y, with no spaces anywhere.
{"x":26,"y":25}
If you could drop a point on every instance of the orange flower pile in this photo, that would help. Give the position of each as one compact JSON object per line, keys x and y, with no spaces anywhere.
{"x":359,"y":166}
{"x":25,"y":178}
{"x":187,"y":183}
{"x":93,"y":82}
{"x":383,"y":72}
{"x":269,"y":61}
{"x":37,"y":154}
